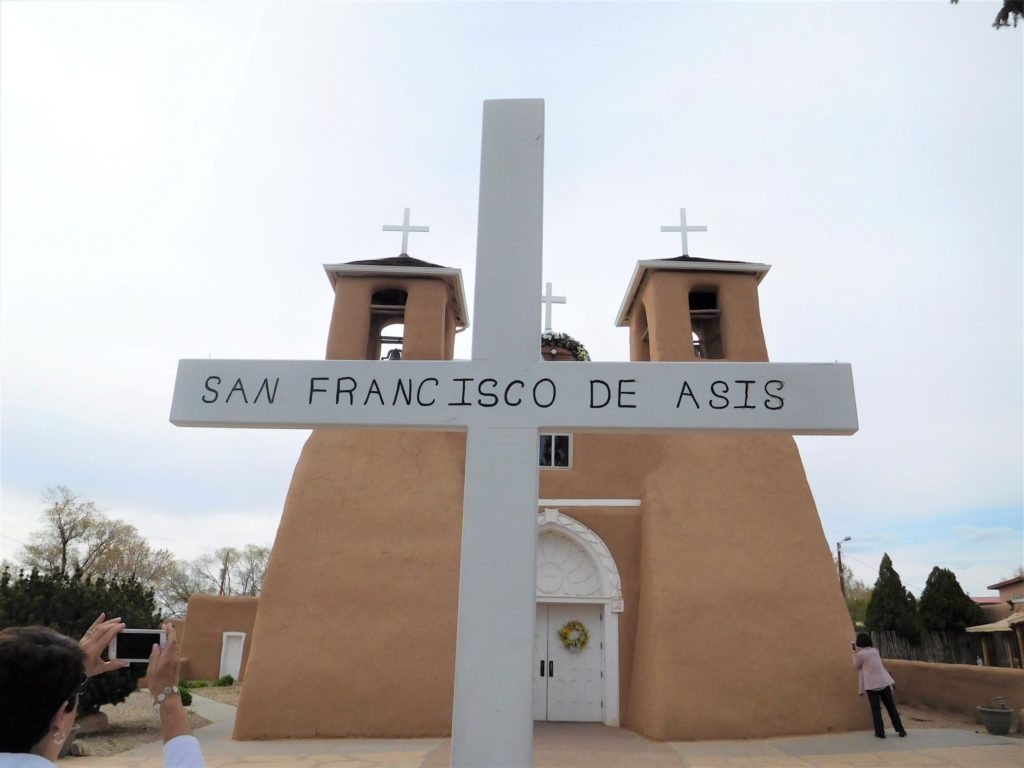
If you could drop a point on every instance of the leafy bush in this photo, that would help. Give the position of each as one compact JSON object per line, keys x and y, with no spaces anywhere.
{"x":225,"y":680}
{"x":185,"y":693}
{"x":70,"y":604}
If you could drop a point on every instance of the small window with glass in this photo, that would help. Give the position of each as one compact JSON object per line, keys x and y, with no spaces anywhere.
{"x":556,"y":451}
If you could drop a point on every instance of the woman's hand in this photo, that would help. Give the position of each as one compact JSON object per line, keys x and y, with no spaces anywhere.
{"x":94,"y":642}
{"x":164,"y":669}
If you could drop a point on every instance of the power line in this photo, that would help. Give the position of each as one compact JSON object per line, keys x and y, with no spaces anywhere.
{"x":918,"y":590}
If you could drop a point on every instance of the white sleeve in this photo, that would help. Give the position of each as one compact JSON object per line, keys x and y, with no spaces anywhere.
{"x":183,"y":752}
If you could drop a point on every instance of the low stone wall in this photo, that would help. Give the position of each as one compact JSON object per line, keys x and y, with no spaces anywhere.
{"x":956,"y":687}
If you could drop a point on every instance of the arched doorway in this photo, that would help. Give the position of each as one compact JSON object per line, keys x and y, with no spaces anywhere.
{"x":577,"y":580}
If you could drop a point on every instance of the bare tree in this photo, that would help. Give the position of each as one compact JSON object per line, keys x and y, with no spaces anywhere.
{"x":182,"y":581}
{"x":77,"y":536}
{"x":67,"y":522}
{"x":132,"y":556}
{"x":225,"y":558}
{"x":250,"y":569}
{"x":1011,"y":10}
{"x":226,"y":571}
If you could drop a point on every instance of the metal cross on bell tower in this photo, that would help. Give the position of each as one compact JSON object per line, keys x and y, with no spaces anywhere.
{"x":405,"y":228}
{"x":683,"y":229}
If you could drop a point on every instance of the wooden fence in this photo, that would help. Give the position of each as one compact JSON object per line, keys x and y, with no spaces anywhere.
{"x":950,"y":648}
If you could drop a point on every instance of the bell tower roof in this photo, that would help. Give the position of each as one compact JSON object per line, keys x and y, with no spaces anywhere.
{"x":404,"y":265}
{"x":681,"y":264}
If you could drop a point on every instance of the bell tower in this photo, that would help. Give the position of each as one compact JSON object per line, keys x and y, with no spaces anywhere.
{"x":370,"y":296}
{"x":686,"y":308}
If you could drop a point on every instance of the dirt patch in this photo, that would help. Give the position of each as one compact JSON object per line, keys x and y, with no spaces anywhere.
{"x":132,"y":723}
{"x":924,"y":717}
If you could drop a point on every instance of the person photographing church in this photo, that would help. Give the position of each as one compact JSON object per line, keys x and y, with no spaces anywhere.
{"x":42,"y":673}
{"x":877,"y":683}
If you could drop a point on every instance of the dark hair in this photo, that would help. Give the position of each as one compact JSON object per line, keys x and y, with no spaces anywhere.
{"x":864,"y":640}
{"x":39,"y":671}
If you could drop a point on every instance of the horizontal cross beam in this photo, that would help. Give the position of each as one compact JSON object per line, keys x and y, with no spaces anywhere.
{"x":794,"y":398}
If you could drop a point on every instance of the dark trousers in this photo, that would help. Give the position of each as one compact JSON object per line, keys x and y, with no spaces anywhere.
{"x":884,"y":696}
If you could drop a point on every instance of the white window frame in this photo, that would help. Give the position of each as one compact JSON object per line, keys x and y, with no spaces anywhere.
{"x":553,"y":435}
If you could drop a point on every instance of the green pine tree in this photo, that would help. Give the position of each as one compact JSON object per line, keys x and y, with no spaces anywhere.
{"x":69,"y":604}
{"x":892,"y":608}
{"x":945,"y":606}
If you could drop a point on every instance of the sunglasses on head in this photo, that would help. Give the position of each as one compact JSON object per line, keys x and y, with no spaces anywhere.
{"x":73,"y":698}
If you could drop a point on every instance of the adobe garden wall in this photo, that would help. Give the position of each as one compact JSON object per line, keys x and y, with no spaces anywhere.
{"x":956,"y":687}
{"x":207,"y":618}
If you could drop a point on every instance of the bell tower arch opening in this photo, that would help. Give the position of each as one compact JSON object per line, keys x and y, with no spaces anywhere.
{"x":705,"y":324}
{"x":397,"y":308}
{"x":387,"y":324}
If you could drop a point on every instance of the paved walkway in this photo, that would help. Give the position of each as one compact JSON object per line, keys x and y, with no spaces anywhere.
{"x":589,"y":745}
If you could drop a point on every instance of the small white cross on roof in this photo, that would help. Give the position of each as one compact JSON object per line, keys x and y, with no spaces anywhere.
{"x":405,"y":228}
{"x":683,"y":229}
{"x":548,"y":300}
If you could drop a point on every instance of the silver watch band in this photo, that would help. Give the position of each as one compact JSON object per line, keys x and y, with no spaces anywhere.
{"x":161,"y":697}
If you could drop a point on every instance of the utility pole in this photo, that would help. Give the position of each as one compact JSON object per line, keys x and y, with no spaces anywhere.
{"x":839,"y":558}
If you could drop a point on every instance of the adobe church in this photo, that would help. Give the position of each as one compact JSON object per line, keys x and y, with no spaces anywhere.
{"x":695,"y":563}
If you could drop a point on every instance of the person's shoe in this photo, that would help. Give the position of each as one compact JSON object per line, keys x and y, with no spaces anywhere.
{"x":879,"y":735}
{"x":902,"y":734}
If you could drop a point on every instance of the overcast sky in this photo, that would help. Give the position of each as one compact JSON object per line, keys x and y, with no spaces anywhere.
{"x":175,"y":175}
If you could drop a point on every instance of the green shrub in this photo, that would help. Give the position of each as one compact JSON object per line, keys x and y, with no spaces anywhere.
{"x":225,"y":680}
{"x":186,"y":697}
{"x":70,"y":604}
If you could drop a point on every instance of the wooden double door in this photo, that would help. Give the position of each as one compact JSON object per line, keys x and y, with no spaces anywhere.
{"x":568,"y":685}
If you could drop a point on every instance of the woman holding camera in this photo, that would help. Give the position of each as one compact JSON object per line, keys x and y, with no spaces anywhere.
{"x":877,"y":683}
{"x":42,"y":673}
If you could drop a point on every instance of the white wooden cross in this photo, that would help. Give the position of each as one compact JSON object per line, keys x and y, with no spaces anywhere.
{"x":683,"y":229}
{"x":405,"y":228}
{"x":548,"y":300}
{"x":502,"y":397}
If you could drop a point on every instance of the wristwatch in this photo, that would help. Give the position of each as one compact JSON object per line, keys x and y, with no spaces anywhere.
{"x":169,"y":691}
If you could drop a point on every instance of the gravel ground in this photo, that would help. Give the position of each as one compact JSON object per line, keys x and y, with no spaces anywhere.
{"x":132,"y":723}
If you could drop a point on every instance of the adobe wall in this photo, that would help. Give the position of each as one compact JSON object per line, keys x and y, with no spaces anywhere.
{"x":207,"y":618}
{"x":1009,"y":592}
{"x":724,"y":557}
{"x":734,"y":623}
{"x":741,"y":608}
{"x":361,"y":594}
{"x":956,"y":687}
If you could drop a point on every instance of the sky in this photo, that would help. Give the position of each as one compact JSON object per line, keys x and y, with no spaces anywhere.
{"x":173,"y":176}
